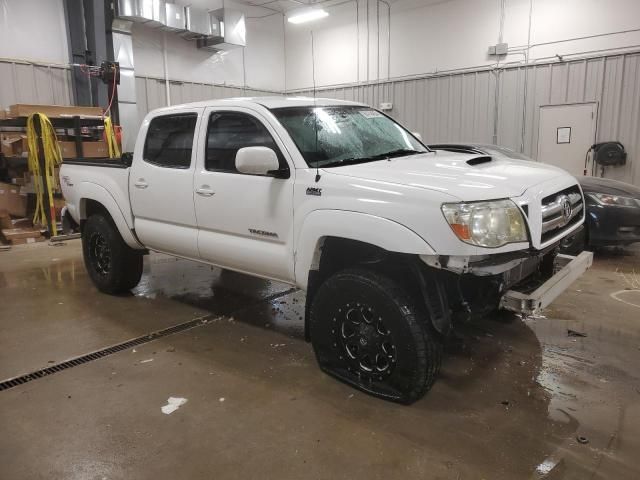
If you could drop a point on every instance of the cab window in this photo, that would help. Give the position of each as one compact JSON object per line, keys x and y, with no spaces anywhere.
{"x":169,"y":140}
{"x":228,"y":132}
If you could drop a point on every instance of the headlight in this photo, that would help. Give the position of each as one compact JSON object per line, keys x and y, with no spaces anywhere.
{"x":606,"y":199}
{"x":486,"y":224}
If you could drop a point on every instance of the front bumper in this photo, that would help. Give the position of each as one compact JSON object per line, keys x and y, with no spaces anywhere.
{"x":568,"y":269}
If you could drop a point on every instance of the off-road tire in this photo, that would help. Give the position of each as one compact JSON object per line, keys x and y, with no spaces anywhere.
{"x":384,"y":313}
{"x":113,"y":266}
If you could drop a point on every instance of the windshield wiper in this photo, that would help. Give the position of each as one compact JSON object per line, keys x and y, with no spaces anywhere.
{"x":346,"y":161}
{"x":401,"y":152}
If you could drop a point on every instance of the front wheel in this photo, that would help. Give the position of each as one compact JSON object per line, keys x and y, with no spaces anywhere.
{"x":113,"y":266}
{"x":368,"y":332}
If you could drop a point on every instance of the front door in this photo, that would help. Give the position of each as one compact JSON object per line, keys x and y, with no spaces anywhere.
{"x":565,"y":135}
{"x":245,"y":221}
{"x":161,"y":185}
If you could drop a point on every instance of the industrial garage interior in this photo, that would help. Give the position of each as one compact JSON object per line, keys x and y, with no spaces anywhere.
{"x":346,"y":239}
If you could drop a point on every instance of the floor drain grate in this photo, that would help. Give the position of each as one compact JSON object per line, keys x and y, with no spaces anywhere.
{"x":89,"y":357}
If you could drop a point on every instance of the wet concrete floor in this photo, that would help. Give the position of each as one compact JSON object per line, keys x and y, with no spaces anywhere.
{"x":513,"y":397}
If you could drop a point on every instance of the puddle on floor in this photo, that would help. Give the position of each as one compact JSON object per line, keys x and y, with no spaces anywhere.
{"x":256,"y":301}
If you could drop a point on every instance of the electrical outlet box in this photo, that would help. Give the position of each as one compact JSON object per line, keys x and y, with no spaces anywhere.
{"x":386,"y":106}
{"x":499,"y":49}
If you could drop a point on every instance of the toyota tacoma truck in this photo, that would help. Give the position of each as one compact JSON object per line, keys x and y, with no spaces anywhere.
{"x":393,"y":243}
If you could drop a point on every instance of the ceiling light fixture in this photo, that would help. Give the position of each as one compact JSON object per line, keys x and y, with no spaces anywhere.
{"x":303,"y":16}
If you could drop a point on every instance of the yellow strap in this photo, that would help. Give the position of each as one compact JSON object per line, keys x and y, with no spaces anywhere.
{"x":114,"y":150}
{"x":52,"y":158}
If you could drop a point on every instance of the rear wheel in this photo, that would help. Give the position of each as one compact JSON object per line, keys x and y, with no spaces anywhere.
{"x":113,"y":266}
{"x":368,"y":332}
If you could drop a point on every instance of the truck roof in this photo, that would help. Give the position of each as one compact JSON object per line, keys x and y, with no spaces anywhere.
{"x":267,"y":102}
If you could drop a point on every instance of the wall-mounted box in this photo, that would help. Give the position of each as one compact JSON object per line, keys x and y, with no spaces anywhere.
{"x":502,"y":48}
{"x":499,"y":49}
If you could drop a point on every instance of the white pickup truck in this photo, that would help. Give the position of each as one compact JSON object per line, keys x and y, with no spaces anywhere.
{"x":392,"y":242}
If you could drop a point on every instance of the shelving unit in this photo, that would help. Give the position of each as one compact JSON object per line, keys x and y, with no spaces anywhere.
{"x":78,"y":129}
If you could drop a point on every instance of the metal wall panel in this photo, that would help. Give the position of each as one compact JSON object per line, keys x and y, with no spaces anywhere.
{"x":441,"y":109}
{"x":451,"y":107}
{"x":462,"y":106}
{"x":152,"y":93}
{"x":31,"y":83}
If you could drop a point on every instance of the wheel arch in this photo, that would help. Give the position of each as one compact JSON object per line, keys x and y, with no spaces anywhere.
{"x":94,"y":198}
{"x":366,"y":229}
{"x":392,"y":248}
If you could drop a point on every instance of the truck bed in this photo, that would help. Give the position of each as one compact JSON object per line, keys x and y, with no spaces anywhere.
{"x":83,"y":178}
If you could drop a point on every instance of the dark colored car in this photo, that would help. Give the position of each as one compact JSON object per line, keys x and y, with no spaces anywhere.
{"x":613,"y":212}
{"x":613,"y":208}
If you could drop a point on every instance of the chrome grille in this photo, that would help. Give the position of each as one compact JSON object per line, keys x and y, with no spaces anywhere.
{"x":561,"y":211}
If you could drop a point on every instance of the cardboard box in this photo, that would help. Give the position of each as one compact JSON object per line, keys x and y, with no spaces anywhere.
{"x":21,"y":223}
{"x":20,"y":236}
{"x":90,"y":149}
{"x":24,"y":241}
{"x":17,"y":233}
{"x":12,"y":200}
{"x":14,"y":145}
{"x":5,"y":220}
{"x":53,"y":111}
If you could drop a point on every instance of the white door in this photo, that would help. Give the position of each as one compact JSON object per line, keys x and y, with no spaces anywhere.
{"x":565,"y":135}
{"x":161,"y":185}
{"x":245,"y":221}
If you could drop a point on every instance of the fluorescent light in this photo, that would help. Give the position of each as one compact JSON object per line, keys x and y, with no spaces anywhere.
{"x":308,"y":15}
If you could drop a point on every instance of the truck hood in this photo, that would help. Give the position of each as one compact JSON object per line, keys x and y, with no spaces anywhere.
{"x":466,"y":176}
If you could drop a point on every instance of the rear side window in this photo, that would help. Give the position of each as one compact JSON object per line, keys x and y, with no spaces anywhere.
{"x":170,"y":140}
{"x":228,"y":132}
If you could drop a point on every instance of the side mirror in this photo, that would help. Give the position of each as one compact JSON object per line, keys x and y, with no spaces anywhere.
{"x":417,"y":135}
{"x":257,"y":161}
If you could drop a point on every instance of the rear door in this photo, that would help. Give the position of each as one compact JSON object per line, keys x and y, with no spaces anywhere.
{"x":161,"y":184}
{"x":245,"y":221}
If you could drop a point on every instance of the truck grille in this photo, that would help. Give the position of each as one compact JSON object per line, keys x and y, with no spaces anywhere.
{"x":561,"y":211}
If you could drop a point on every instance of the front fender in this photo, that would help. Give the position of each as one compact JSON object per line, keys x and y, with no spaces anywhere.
{"x":378,"y":231}
{"x":97,"y":193}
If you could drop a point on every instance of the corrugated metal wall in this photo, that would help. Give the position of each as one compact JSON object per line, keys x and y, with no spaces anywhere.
{"x":29,"y":83}
{"x":455,"y":107}
{"x":151,"y":93}
{"x":462,"y":106}
{"x":48,"y":84}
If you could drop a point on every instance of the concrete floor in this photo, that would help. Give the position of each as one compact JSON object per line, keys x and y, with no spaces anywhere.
{"x":509,"y":404}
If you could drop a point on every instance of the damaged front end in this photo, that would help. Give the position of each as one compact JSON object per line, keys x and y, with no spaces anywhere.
{"x":523,"y":282}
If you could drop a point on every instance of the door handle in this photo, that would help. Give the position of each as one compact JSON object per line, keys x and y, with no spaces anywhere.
{"x":205,"y":191}
{"x":141,"y":183}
